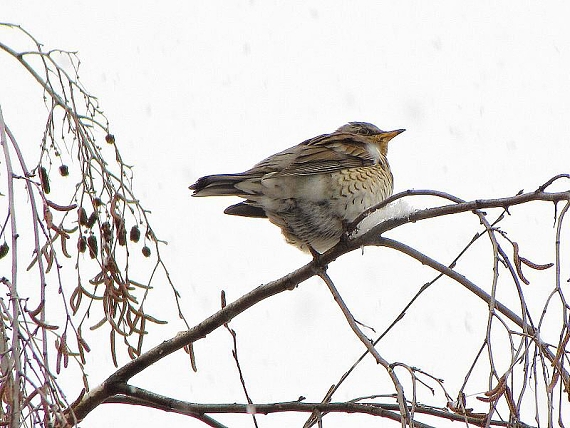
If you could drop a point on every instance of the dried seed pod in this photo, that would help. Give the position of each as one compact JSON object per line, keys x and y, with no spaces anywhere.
{"x":133,"y":353}
{"x":64,"y":170}
{"x":92,"y":219}
{"x":135,"y":234}
{"x":44,"y":178}
{"x":146,"y":251}
{"x":106,"y":230}
{"x":82,"y":214}
{"x":97,"y":202}
{"x":117,"y":220}
{"x":4,"y":248}
{"x":82,"y":244}
{"x":92,"y":243}
{"x":110,"y":138}
{"x":121,"y":232}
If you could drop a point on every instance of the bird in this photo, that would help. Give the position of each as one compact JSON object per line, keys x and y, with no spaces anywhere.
{"x":313,"y":190}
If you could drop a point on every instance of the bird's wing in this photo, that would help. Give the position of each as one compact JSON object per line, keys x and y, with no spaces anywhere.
{"x":319,"y":155}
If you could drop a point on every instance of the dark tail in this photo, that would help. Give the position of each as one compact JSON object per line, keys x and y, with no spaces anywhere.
{"x":217,"y":185}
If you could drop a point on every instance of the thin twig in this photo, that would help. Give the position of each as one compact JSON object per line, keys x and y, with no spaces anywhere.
{"x":404,"y":412}
{"x":236,"y":359}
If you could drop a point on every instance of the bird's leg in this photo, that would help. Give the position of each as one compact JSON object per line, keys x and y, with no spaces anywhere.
{"x":316,"y":256}
{"x":345,"y":233}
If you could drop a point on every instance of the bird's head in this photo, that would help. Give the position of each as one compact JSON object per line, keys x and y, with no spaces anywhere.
{"x":367,"y":129}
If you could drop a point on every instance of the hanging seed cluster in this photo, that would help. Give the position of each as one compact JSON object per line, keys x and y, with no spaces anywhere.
{"x":102,"y":229}
{"x":109,"y":232}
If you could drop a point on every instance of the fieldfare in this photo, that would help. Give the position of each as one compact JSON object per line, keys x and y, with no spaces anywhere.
{"x":314,"y":189}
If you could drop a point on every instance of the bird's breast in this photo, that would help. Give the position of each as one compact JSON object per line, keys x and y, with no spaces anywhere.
{"x":358,"y":189}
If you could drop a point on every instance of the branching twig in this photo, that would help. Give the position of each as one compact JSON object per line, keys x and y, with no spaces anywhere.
{"x":402,"y":403}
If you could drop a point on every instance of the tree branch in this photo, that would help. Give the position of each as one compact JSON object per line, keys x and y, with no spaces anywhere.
{"x":139,"y":396}
{"x":114,"y":382}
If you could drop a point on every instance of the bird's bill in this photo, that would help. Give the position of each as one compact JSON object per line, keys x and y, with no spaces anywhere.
{"x":388,"y":135}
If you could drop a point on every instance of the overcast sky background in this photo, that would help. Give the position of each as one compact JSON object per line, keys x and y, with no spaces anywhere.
{"x":194,"y":88}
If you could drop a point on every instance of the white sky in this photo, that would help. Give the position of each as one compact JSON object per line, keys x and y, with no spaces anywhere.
{"x":193,"y":88}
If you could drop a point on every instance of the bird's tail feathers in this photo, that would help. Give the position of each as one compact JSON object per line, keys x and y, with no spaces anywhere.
{"x":246,"y":209}
{"x":217,"y":185}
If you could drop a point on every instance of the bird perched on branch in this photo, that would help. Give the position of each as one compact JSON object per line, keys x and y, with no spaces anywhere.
{"x":314,"y":189}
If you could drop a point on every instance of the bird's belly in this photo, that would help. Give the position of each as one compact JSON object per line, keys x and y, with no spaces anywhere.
{"x":316,"y":209}
{"x":308,"y":223}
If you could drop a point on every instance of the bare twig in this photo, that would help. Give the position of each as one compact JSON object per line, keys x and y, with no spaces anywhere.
{"x":236,"y":359}
{"x":405,"y":415}
{"x":138,"y":396}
